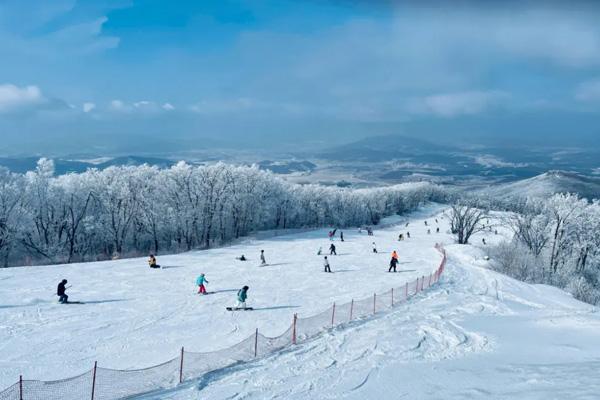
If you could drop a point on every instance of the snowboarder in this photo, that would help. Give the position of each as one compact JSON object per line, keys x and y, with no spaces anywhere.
{"x":326,"y":264}
{"x":200,"y":280}
{"x":332,"y":250}
{"x":408,"y":235}
{"x":400,"y":237}
{"x":320,"y":250}
{"x":242,"y":295}
{"x":341,"y":236}
{"x":152,"y":262}
{"x":393,"y":261}
{"x":263,"y":260}
{"x":374,"y":248}
{"x":242,"y":258}
{"x":60,"y":292}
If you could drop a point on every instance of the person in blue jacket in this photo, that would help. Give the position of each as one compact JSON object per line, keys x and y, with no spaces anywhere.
{"x":200,"y":281}
{"x":242,"y":295}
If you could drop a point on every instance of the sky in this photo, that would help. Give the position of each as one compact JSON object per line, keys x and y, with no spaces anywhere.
{"x":152,"y":76}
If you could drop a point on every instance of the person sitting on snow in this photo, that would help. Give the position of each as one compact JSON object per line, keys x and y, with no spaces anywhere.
{"x":60,"y":291}
{"x":242,"y":295}
{"x":200,"y":281}
{"x":152,"y":262}
{"x":242,"y":258}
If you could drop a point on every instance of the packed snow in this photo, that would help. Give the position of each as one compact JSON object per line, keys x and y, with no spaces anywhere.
{"x":477,"y":334}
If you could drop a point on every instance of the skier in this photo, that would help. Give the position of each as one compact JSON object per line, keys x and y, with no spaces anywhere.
{"x":200,"y":280}
{"x":374,"y":248}
{"x":341,"y":236}
{"x":393,"y":262}
{"x":400,"y":237}
{"x":263,"y":260}
{"x":320,"y":250}
{"x":436,"y":221}
{"x":437,"y":230}
{"x":152,"y":262}
{"x":406,"y":225}
{"x":326,"y":264}
{"x":429,"y":231}
{"x":425,"y":223}
{"x":332,"y":250}
{"x":483,"y":241}
{"x":408,"y":235}
{"x":60,"y":292}
{"x":242,"y":295}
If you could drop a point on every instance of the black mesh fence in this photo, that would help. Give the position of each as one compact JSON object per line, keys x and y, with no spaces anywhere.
{"x":110,"y":384}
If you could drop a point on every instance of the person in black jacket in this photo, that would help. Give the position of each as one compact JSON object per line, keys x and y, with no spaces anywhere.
{"x":60,"y":291}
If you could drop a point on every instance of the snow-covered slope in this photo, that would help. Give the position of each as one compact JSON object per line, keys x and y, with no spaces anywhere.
{"x":477,"y":334}
{"x":550,"y":183}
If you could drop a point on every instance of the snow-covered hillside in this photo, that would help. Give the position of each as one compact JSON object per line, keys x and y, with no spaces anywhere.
{"x":477,"y":334}
{"x":550,"y":183}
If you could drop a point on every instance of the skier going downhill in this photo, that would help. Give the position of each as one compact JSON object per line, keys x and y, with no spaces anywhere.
{"x":393,"y":262}
{"x":332,"y":250}
{"x":326,"y":265}
{"x":263,"y":260}
{"x":60,"y":292}
{"x":200,"y":281}
{"x":242,"y":295}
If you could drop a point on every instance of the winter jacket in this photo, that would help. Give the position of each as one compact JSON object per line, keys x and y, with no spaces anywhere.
{"x":201,"y":280}
{"x":60,"y":290}
{"x":395,"y":255}
{"x":242,"y":295}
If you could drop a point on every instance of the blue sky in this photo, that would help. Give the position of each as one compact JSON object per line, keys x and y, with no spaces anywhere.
{"x":265,"y":73}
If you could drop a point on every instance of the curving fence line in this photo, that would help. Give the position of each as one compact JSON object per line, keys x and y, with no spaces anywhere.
{"x":110,"y":384}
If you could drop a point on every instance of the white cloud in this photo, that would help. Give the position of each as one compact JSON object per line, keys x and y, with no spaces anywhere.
{"x":16,"y":98}
{"x":490,"y":161}
{"x":119,"y":106}
{"x":168,"y":107}
{"x":458,"y":103}
{"x":588,"y":91}
{"x":87,"y":107}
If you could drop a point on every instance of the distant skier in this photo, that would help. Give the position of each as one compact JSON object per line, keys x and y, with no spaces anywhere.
{"x":393,"y":261}
{"x":60,"y":292}
{"x":436,"y":221}
{"x":341,"y":236}
{"x":406,"y":225}
{"x":200,"y":281}
{"x":400,"y":237}
{"x":374,"y":248}
{"x":483,"y":241}
{"x":263,"y":260}
{"x":326,"y":264}
{"x":425,"y":223}
{"x":437,"y":230}
{"x":242,"y":295}
{"x":242,"y":258}
{"x":332,"y":250}
{"x":429,"y":231}
{"x":408,"y":235}
{"x":152,"y":262}
{"x":320,"y":250}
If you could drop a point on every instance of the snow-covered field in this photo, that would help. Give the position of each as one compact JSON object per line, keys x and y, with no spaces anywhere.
{"x":134,"y":317}
{"x":477,"y":334}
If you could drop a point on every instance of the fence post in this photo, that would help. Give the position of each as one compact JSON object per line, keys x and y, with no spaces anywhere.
{"x":392,"y":297}
{"x":374,"y":301}
{"x":20,"y":387}
{"x":294,"y":328}
{"x":333,"y":314}
{"x":422,"y":282}
{"x":351,"y":308}
{"x":181,"y":365}
{"x":256,"y":343}
{"x":93,"y":379}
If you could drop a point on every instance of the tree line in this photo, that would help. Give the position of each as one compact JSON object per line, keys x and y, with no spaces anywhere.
{"x":132,"y":210}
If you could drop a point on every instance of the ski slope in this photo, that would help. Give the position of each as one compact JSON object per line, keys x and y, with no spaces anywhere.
{"x":135,"y":317}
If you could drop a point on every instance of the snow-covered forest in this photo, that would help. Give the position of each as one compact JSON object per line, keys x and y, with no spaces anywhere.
{"x":127,"y":211}
{"x":556,"y":241}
